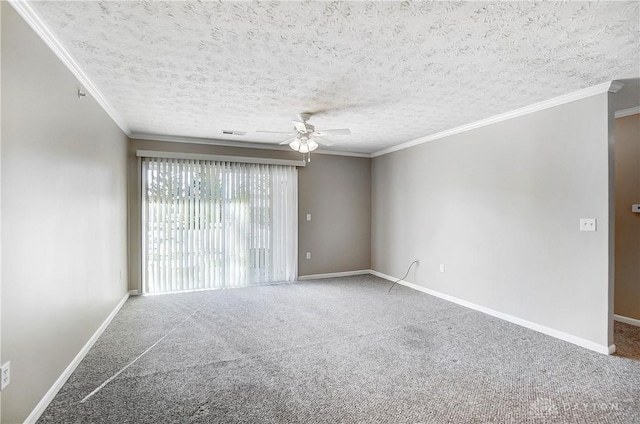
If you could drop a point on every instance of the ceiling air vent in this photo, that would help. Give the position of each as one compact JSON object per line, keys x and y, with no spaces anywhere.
{"x":228,"y":132}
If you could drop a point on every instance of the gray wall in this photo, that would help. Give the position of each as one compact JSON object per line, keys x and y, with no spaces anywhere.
{"x":1,"y":359}
{"x":500,"y":207}
{"x":63,"y":216}
{"x":336,"y":191}
{"x":627,"y":269}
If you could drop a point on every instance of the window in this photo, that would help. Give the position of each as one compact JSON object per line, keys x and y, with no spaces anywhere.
{"x":210,"y":224}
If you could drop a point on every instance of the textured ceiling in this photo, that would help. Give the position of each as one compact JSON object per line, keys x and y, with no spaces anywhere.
{"x":389,"y":71}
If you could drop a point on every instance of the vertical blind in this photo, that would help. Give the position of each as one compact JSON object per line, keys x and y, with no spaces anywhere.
{"x":209,"y":224}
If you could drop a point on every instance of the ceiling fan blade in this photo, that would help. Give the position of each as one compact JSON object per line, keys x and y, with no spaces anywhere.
{"x":321,"y":140}
{"x":276,"y":132}
{"x":303,"y":127}
{"x":287,"y":141}
{"x":300,"y":126}
{"x":342,"y":131}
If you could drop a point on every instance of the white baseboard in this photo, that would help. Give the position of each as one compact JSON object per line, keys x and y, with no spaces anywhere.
{"x":627,"y":112}
{"x":627,"y":320}
{"x":334,"y":275}
{"x":607,"y":350}
{"x":53,"y":391}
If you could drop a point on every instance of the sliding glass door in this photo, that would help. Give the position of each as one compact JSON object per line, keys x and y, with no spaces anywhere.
{"x":213,"y":224}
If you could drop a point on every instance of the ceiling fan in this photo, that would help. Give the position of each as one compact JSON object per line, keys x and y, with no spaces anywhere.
{"x":305,"y":136}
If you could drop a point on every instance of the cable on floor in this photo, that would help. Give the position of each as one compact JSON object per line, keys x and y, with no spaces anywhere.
{"x":405,"y":276}
{"x":113,"y":377}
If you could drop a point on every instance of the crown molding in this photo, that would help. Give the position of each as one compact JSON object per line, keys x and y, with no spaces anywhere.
{"x":627,"y":112}
{"x":239,"y":144}
{"x":25,"y":10}
{"x":615,"y":86}
{"x":611,"y":86}
{"x":340,"y":153}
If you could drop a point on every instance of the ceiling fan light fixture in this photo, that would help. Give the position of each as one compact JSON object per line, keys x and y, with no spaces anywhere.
{"x":304,"y":147}
{"x":307,"y":138}
{"x":295,"y":144}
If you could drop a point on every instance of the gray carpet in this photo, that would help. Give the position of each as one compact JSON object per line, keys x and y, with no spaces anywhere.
{"x":627,"y":340}
{"x":337,"y":351}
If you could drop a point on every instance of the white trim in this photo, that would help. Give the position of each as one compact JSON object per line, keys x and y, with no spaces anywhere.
{"x":51,"y":40}
{"x":334,"y":275}
{"x":239,"y":144}
{"x":627,"y":112}
{"x":219,"y":158}
{"x":607,"y":350}
{"x":39,"y":27}
{"x":296,"y":231}
{"x":53,"y":391}
{"x":613,"y":86}
{"x":209,"y":141}
{"x":341,"y":153}
{"x":142,"y":205}
{"x":627,"y":320}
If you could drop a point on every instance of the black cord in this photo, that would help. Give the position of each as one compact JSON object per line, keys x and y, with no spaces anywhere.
{"x":405,"y":276}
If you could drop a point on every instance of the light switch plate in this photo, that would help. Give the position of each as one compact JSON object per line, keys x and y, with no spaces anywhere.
{"x":308,"y":217}
{"x":588,"y":224}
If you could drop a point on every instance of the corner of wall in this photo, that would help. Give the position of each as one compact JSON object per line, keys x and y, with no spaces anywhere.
{"x":500,"y":206}
{"x":2,"y":6}
{"x":612,"y":214}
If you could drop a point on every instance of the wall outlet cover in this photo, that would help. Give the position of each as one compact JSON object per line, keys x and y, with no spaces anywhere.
{"x":5,"y":375}
{"x":588,"y":224}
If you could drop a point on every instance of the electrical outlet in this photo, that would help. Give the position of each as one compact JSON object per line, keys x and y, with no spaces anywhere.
{"x":587,"y":224}
{"x":308,"y":255}
{"x":441,"y":267}
{"x":5,"y":375}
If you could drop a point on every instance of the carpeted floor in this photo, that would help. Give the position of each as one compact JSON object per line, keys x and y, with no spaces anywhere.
{"x":627,"y":340}
{"x":337,"y":351}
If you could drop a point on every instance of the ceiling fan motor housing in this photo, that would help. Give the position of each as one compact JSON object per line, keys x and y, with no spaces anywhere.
{"x":303,"y":127}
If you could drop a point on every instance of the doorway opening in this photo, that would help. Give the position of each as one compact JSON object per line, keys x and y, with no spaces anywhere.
{"x":627,"y":237}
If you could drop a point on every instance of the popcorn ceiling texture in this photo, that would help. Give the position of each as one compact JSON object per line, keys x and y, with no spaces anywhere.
{"x":389,"y":71}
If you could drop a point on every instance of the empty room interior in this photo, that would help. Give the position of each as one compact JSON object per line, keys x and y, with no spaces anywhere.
{"x":320,"y":212}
